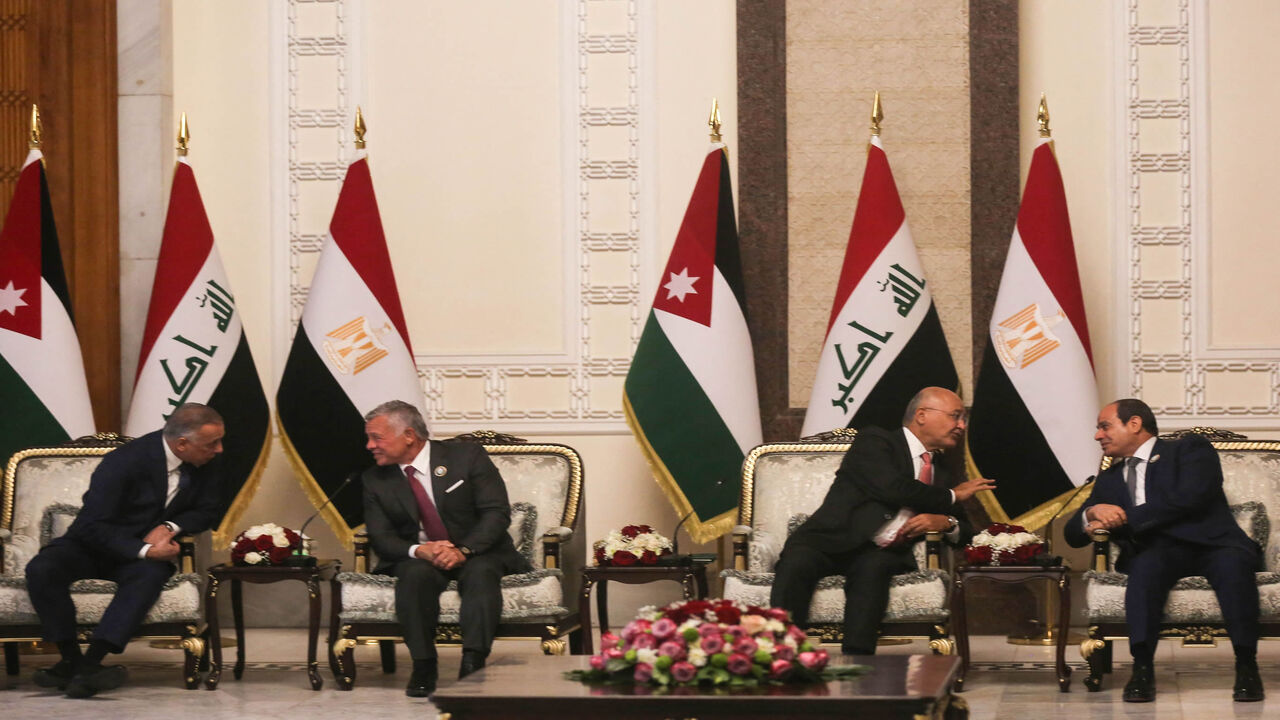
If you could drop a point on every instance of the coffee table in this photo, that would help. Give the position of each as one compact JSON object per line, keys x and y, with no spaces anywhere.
{"x":520,"y":688}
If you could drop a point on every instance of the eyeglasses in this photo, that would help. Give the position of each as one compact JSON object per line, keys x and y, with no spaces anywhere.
{"x":958,"y":416}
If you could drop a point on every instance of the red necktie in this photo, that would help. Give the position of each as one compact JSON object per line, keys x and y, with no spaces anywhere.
{"x":431,"y":522}
{"x":926,"y":470}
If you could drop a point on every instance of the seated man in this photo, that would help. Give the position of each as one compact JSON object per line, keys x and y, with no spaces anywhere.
{"x":1164,"y":507}
{"x":437,"y":512}
{"x":140,"y":496}
{"x":887,"y":494}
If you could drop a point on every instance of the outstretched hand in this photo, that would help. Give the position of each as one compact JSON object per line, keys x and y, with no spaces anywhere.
{"x":969,"y":488}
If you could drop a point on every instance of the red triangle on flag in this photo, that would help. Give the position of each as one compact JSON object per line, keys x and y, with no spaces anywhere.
{"x":20,"y":257}
{"x":685,"y":286}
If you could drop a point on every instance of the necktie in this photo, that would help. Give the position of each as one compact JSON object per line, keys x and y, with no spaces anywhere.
{"x":926,"y":470}
{"x":1131,"y":477}
{"x":431,"y":522}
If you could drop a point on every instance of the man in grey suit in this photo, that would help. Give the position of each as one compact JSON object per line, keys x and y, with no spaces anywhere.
{"x":435,"y":512}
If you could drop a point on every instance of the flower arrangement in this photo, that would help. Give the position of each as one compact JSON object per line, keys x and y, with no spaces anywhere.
{"x":267,"y":544}
{"x":632,"y":545}
{"x":1003,"y":544}
{"x":710,"y":642}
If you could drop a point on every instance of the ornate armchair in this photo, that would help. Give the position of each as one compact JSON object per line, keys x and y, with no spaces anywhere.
{"x":544,"y":486}
{"x":782,"y":484}
{"x":41,"y":496}
{"x":1251,"y":480}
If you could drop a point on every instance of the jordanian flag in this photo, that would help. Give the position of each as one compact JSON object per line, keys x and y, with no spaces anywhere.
{"x":194,"y":350}
{"x":351,"y":352}
{"x":690,"y":396}
{"x":1036,"y":401}
{"x":884,"y":340}
{"x":44,"y":398}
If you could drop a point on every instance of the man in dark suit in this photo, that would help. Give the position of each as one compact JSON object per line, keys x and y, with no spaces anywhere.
{"x":887,"y":494}
{"x":437,"y":512}
{"x":140,"y":496}
{"x":1163,"y":504}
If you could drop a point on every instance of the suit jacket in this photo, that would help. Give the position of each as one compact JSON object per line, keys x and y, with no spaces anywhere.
{"x":126,"y":499}
{"x":876,"y":479}
{"x":471,"y":498}
{"x":1184,"y":500}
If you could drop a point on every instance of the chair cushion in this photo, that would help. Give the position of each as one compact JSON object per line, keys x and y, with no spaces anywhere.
{"x":919,"y":596}
{"x":45,"y":488}
{"x":179,"y":601}
{"x":1191,"y":601}
{"x":367,"y":597}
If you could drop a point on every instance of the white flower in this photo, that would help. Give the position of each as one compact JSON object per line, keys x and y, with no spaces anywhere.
{"x":647,"y":655}
{"x":775,"y":626}
{"x":697,"y":656}
{"x":764,"y":644}
{"x":253,"y":558}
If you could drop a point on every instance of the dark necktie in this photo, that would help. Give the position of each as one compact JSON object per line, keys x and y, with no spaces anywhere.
{"x":926,"y":470}
{"x":431,"y":522}
{"x":1131,"y":477}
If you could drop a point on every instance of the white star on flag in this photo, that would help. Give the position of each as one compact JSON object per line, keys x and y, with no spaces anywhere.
{"x":11,"y":299}
{"x":680,"y":285}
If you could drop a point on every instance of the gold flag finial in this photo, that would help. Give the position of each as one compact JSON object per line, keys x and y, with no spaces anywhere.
{"x":1042,"y":115}
{"x":877,"y":114}
{"x":714,"y":120}
{"x":184,"y":135}
{"x":34,"y":141}
{"x":360,"y":128}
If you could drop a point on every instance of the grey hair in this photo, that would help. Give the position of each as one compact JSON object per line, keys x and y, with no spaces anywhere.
{"x":188,"y":418}
{"x":402,"y":414}
{"x":915,"y":404}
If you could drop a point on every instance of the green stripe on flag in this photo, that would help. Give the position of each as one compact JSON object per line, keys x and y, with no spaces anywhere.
{"x":24,"y":420}
{"x":690,"y":448}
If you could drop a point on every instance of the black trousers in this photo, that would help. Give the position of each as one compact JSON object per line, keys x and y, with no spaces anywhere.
{"x":867,"y":570}
{"x":1157,"y":567}
{"x":418,"y":588}
{"x":62,"y":562}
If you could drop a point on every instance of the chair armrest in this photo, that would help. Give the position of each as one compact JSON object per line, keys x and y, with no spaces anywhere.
{"x":361,"y":544}
{"x":933,"y":549}
{"x":551,"y":541}
{"x":741,"y":538}
{"x":186,"y":552}
{"x":4,"y":537}
{"x":1101,"y":550}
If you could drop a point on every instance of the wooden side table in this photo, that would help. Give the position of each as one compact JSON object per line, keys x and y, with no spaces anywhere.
{"x":237,"y":574}
{"x":692,"y":578}
{"x":1012,"y":574}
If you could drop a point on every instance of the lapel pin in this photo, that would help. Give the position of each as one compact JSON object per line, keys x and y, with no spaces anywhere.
{"x":440,"y":471}
{"x":1153,"y":458}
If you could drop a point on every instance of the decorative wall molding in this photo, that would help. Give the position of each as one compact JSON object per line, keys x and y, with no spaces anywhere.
{"x":1169,"y":358}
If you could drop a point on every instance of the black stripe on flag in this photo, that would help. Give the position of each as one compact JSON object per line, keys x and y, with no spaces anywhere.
{"x":50,"y":253}
{"x":924,"y":362}
{"x":728,"y":254}
{"x":243,"y":406}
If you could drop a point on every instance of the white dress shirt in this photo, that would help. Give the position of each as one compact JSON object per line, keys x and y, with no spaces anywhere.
{"x":1143,"y":454}
{"x":173,"y":468}
{"x":422,"y":468}
{"x":884,"y":536}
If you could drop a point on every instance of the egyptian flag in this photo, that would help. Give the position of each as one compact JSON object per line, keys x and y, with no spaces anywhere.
{"x":884,"y":340}
{"x":1036,"y":401}
{"x":351,"y":352}
{"x":194,"y":350}
{"x":44,"y":397}
{"x":690,"y":395}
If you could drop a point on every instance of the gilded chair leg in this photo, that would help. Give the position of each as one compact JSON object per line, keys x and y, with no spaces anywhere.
{"x":943,"y":646}
{"x":344,"y":652}
{"x":1098,"y":654}
{"x":554,"y":646}
{"x":193,"y":648}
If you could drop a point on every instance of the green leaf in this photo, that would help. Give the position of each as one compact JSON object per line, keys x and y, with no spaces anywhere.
{"x":719,"y":676}
{"x":630,"y":655}
{"x":763,"y":657}
{"x":662,"y":678}
{"x":614,"y":665}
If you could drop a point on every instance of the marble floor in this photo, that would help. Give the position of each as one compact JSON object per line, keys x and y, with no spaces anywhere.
{"x":1005,"y":681}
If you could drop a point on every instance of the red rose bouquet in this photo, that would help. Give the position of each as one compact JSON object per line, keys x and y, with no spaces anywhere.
{"x":1003,"y":544}
{"x":267,"y":544}
{"x":632,"y":545}
{"x":710,"y":642}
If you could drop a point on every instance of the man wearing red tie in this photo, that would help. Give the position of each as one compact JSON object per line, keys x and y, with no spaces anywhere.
{"x":887,"y":494}
{"x":436,"y":512}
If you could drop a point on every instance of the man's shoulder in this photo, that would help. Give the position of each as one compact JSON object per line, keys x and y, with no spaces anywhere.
{"x":1191,"y":442}
{"x":139,"y":447}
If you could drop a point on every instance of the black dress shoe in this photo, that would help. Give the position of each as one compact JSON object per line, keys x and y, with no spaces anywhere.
{"x":1142,"y":685}
{"x":471,"y":662}
{"x":1248,"y":687}
{"x":58,"y":676}
{"x":92,"y":679}
{"x":422,"y":681}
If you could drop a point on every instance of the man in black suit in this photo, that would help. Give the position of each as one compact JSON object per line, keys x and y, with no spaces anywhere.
{"x":887,"y":494}
{"x":1163,"y":504}
{"x":437,"y":512}
{"x":140,"y":496}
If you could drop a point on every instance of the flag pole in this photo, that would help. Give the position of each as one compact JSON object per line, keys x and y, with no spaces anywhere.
{"x":714,"y":120}
{"x":184,"y":135}
{"x":34,"y":141}
{"x":1042,"y":117}
{"x":877,"y":115}
{"x":360,"y":129}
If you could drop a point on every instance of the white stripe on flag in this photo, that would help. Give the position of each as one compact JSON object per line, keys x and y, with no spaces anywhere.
{"x":197,"y":361}
{"x":871,"y":305}
{"x":1058,"y":387}
{"x":720,"y":359}
{"x":354,"y":337}
{"x":53,"y":367}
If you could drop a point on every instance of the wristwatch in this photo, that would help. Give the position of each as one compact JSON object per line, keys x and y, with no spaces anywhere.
{"x":466,"y":551}
{"x":954,"y":524}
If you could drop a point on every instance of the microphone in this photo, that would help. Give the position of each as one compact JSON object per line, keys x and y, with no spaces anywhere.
{"x":1049,"y":525}
{"x":675,"y":558}
{"x":302,"y":559}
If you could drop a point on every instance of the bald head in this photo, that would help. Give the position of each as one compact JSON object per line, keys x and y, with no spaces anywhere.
{"x":936,"y":416}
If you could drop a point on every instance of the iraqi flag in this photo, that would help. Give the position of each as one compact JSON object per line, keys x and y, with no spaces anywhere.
{"x":351,"y":352}
{"x":1036,"y":401}
{"x":194,"y":350}
{"x":44,"y":397}
{"x":884,"y":340}
{"x":690,"y":395}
